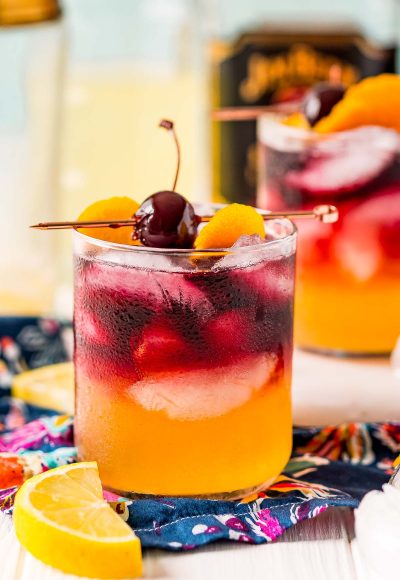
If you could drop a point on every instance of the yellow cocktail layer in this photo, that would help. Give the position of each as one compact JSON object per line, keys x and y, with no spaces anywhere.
{"x":340,"y":313}
{"x":154,"y":451}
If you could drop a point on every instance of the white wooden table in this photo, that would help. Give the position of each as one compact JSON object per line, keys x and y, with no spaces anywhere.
{"x":324,"y":391}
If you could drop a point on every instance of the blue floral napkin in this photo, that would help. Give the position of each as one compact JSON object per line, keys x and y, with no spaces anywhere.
{"x":330,"y":466}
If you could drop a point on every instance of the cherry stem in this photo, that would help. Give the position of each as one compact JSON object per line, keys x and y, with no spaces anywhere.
{"x":169,"y":126}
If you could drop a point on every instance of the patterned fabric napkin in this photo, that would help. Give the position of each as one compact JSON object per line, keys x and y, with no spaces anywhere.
{"x":330,"y":466}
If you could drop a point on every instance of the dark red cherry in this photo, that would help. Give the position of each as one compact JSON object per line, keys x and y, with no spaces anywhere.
{"x":320,"y":100}
{"x":166,"y":220}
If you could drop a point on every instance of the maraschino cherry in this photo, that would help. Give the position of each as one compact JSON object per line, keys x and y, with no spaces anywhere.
{"x":320,"y":100}
{"x":166,"y":219}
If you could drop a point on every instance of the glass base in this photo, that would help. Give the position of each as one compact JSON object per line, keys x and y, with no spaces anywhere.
{"x":222,"y":496}
{"x":344,"y":353}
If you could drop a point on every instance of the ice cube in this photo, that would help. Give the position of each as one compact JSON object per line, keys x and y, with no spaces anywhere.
{"x":346,"y":161}
{"x":245,"y":258}
{"x":160,"y":347}
{"x":90,"y":327}
{"x":270,"y":281}
{"x":160,"y":289}
{"x":204,"y":393}
{"x":369,"y":234}
{"x":139,"y":259}
{"x":246,"y":240}
{"x":227,"y":332}
{"x":315,"y":241}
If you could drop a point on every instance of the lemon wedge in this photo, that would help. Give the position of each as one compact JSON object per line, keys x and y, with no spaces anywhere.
{"x":61,"y":518}
{"x":51,"y":386}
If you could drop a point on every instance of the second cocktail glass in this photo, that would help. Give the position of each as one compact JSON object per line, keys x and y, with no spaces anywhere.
{"x":348,"y":283}
{"x":183,"y":364}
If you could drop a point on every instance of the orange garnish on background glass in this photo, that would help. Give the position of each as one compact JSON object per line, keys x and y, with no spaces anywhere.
{"x":297,"y":120}
{"x":373,"y":101}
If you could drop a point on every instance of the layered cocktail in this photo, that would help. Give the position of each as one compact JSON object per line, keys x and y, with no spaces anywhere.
{"x":348,"y":285}
{"x":183,"y":363}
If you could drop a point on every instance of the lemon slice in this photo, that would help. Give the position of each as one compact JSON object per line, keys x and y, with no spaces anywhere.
{"x":51,"y":386}
{"x":61,"y":518}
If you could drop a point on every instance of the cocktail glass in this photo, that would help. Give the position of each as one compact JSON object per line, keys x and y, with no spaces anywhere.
{"x":348,"y":281}
{"x":183,"y":364}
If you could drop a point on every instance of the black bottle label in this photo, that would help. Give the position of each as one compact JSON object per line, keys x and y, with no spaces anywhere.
{"x":264,"y":68}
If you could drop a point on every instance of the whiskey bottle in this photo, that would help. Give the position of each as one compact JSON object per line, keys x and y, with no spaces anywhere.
{"x":276,"y":64}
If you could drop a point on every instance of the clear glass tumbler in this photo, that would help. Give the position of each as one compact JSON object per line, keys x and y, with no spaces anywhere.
{"x":348,"y":283}
{"x":183,"y":364}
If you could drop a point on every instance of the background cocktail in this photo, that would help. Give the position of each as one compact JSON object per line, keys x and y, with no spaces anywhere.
{"x":348,"y":283}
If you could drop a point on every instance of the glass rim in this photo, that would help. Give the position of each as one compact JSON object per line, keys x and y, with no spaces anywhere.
{"x":275,"y":117}
{"x":265,"y":120}
{"x":193,"y":251}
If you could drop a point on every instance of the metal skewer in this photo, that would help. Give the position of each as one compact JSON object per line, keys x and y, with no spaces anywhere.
{"x":92,"y":224}
{"x":252,"y":113}
{"x":327,"y":214}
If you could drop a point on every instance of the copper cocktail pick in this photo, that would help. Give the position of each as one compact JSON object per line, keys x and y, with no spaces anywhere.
{"x":327,"y":214}
{"x":335,"y":77}
{"x":252,"y":113}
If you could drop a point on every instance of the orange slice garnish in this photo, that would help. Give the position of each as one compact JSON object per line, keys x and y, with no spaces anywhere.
{"x":373,"y":101}
{"x":296,"y":120}
{"x":114,"y":208}
{"x":228,"y":224}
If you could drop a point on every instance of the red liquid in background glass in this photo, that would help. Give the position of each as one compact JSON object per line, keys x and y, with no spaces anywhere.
{"x":348,"y":283}
{"x":183,"y":377}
